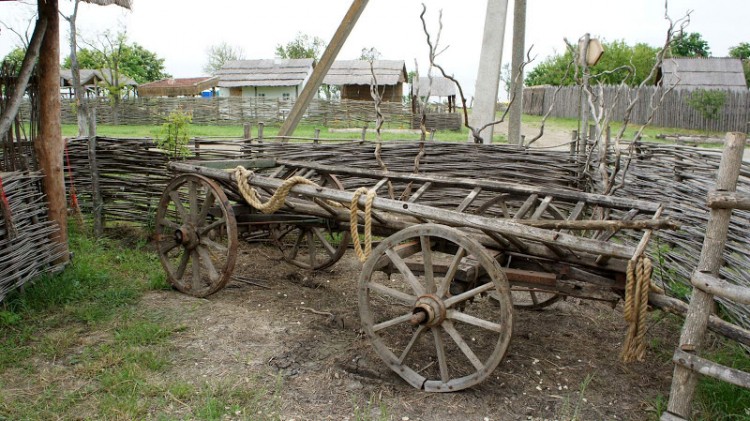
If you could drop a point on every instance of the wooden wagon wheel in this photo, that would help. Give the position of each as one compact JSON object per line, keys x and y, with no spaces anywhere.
{"x":311,"y":247}
{"x":436,"y":337}
{"x":527,"y":298}
{"x":197,"y":235}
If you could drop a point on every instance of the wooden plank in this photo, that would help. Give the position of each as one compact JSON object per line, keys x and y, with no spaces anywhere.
{"x":469,"y":199}
{"x":728,"y":200}
{"x":713,"y":285}
{"x":712,"y":369}
{"x":417,"y":194}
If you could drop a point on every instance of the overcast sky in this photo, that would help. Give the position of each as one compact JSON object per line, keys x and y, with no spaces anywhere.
{"x":180,"y":31}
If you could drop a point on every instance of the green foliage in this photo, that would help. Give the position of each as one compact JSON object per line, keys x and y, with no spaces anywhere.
{"x":708,"y":103}
{"x":303,"y":46}
{"x":133,"y":60}
{"x":369,"y":54}
{"x":175,"y":134}
{"x":558,"y":69}
{"x":15,"y":59}
{"x":219,"y":54}
{"x":690,"y":45}
{"x":720,"y":401}
{"x":742,"y":52}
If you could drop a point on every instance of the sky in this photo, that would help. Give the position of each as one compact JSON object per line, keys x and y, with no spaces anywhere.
{"x":180,"y":31}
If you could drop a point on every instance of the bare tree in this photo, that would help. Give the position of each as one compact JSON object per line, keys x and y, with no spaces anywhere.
{"x":111,"y":47}
{"x":82,"y":109}
{"x":219,"y":54}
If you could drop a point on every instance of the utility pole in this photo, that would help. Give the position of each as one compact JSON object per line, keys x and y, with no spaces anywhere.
{"x":516,"y":73}
{"x":488,"y":76}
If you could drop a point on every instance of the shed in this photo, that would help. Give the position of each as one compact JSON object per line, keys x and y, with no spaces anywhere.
{"x":440,"y":87}
{"x":93,"y":81}
{"x":178,"y":87}
{"x":266,"y":78}
{"x":719,"y":73}
{"x":355,"y":76}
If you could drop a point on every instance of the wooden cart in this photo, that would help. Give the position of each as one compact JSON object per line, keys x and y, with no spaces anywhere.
{"x":436,"y":294}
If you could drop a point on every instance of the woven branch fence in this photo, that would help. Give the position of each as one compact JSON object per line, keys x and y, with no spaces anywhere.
{"x":674,"y":112}
{"x":237,"y":111}
{"x":26,"y":250}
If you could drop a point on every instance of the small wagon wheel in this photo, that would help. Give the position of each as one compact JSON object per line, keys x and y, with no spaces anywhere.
{"x":437,"y":337}
{"x":197,"y":235}
{"x":312,"y":247}
{"x":527,"y":298}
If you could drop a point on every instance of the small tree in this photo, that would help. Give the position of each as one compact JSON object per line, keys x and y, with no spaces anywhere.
{"x":219,"y":54}
{"x":707,"y":102}
{"x":175,"y":134}
{"x":303,"y":46}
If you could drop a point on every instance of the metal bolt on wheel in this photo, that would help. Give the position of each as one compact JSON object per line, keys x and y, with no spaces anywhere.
{"x":428,"y":321}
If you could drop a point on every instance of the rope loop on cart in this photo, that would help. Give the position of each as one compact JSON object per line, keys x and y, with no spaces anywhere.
{"x":353,"y":222}
{"x":277,"y":199}
{"x":637,"y":287}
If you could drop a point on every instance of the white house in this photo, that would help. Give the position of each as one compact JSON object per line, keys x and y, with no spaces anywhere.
{"x":265,"y":79}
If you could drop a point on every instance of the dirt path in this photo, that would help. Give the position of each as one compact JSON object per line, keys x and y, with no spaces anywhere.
{"x":299,"y":338}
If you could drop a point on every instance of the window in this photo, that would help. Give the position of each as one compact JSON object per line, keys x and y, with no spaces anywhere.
{"x":286,"y":96}
{"x":262,"y":95}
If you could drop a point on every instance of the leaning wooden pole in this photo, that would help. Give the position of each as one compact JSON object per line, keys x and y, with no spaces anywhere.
{"x":702,"y":303}
{"x":321,"y":69}
{"x":49,"y":143}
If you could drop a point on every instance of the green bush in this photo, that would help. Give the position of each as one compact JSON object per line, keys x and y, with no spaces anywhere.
{"x":175,"y":134}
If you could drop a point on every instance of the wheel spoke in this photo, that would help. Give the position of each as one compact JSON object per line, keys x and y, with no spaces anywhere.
{"x":297,"y":243}
{"x":452,"y":269}
{"x":169,"y":224}
{"x":214,"y":245}
{"x":175,"y":196}
{"x":429,"y":278}
{"x":466,"y":318}
{"x":405,"y":353}
{"x":310,"y":248}
{"x":193,"y":200}
{"x":210,"y":198}
{"x":393,"y":322}
{"x":405,"y":298}
{"x":208,"y":263}
{"x":442,"y":359}
{"x":182,"y":266}
{"x":468,"y":294}
{"x":534,"y":299}
{"x":405,"y":271}
{"x":168,"y":246}
{"x":213,"y":225}
{"x":324,"y":241}
{"x":197,"y":281}
{"x":462,"y":345}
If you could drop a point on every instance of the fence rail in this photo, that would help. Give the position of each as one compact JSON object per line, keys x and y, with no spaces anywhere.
{"x":673,"y":112}
{"x":238,"y":110}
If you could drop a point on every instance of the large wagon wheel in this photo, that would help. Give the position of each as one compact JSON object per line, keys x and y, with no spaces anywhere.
{"x":197,"y":235}
{"x":527,"y":298}
{"x":313,"y":247}
{"x":437,"y":334}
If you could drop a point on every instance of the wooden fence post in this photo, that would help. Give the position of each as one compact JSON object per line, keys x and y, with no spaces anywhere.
{"x":316,"y":137}
{"x":248,"y":131}
{"x":96,"y":194}
{"x":702,"y":303}
{"x":260,"y":131}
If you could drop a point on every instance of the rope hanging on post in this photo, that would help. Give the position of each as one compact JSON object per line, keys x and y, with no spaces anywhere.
{"x":353,"y":217}
{"x":637,"y":287}
{"x":10,"y":227}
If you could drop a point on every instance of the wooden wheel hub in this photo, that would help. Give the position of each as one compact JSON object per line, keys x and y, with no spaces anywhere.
{"x":429,"y":310}
{"x":187,"y":236}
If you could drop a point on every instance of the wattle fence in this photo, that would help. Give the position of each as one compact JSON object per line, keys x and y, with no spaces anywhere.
{"x":673,"y":112}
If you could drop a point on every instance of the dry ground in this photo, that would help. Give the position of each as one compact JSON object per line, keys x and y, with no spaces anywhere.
{"x":299,"y":337}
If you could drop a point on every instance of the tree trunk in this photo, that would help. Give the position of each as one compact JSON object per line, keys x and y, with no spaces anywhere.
{"x":49,"y":144}
{"x":80,"y":94}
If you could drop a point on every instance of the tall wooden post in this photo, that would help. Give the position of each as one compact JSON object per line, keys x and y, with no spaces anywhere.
{"x":49,"y":143}
{"x":702,"y":303}
{"x":321,"y":69}
{"x":516,"y":73}
{"x":583,"y":141}
{"x":488,"y":75}
{"x":96,"y":193}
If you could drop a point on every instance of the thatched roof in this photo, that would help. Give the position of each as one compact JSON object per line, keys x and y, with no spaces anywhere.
{"x":91,"y":77}
{"x":122,"y":3}
{"x":441,"y":86}
{"x":358,"y":72}
{"x":704,"y":73}
{"x":178,"y":87}
{"x":271,"y":72}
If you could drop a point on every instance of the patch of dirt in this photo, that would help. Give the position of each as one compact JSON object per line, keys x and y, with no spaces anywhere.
{"x":562,"y":361}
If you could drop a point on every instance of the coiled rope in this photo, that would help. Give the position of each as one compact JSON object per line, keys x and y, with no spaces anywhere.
{"x":276,"y":202}
{"x":637,"y":286}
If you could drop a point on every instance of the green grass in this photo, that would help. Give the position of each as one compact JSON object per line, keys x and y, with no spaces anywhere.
{"x":720,"y":401}
{"x":78,"y":345}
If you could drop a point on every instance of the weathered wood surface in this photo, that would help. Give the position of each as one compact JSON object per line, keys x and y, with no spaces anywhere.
{"x":675,"y":111}
{"x":715,"y":286}
{"x":712,"y":369}
{"x":728,"y":200}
